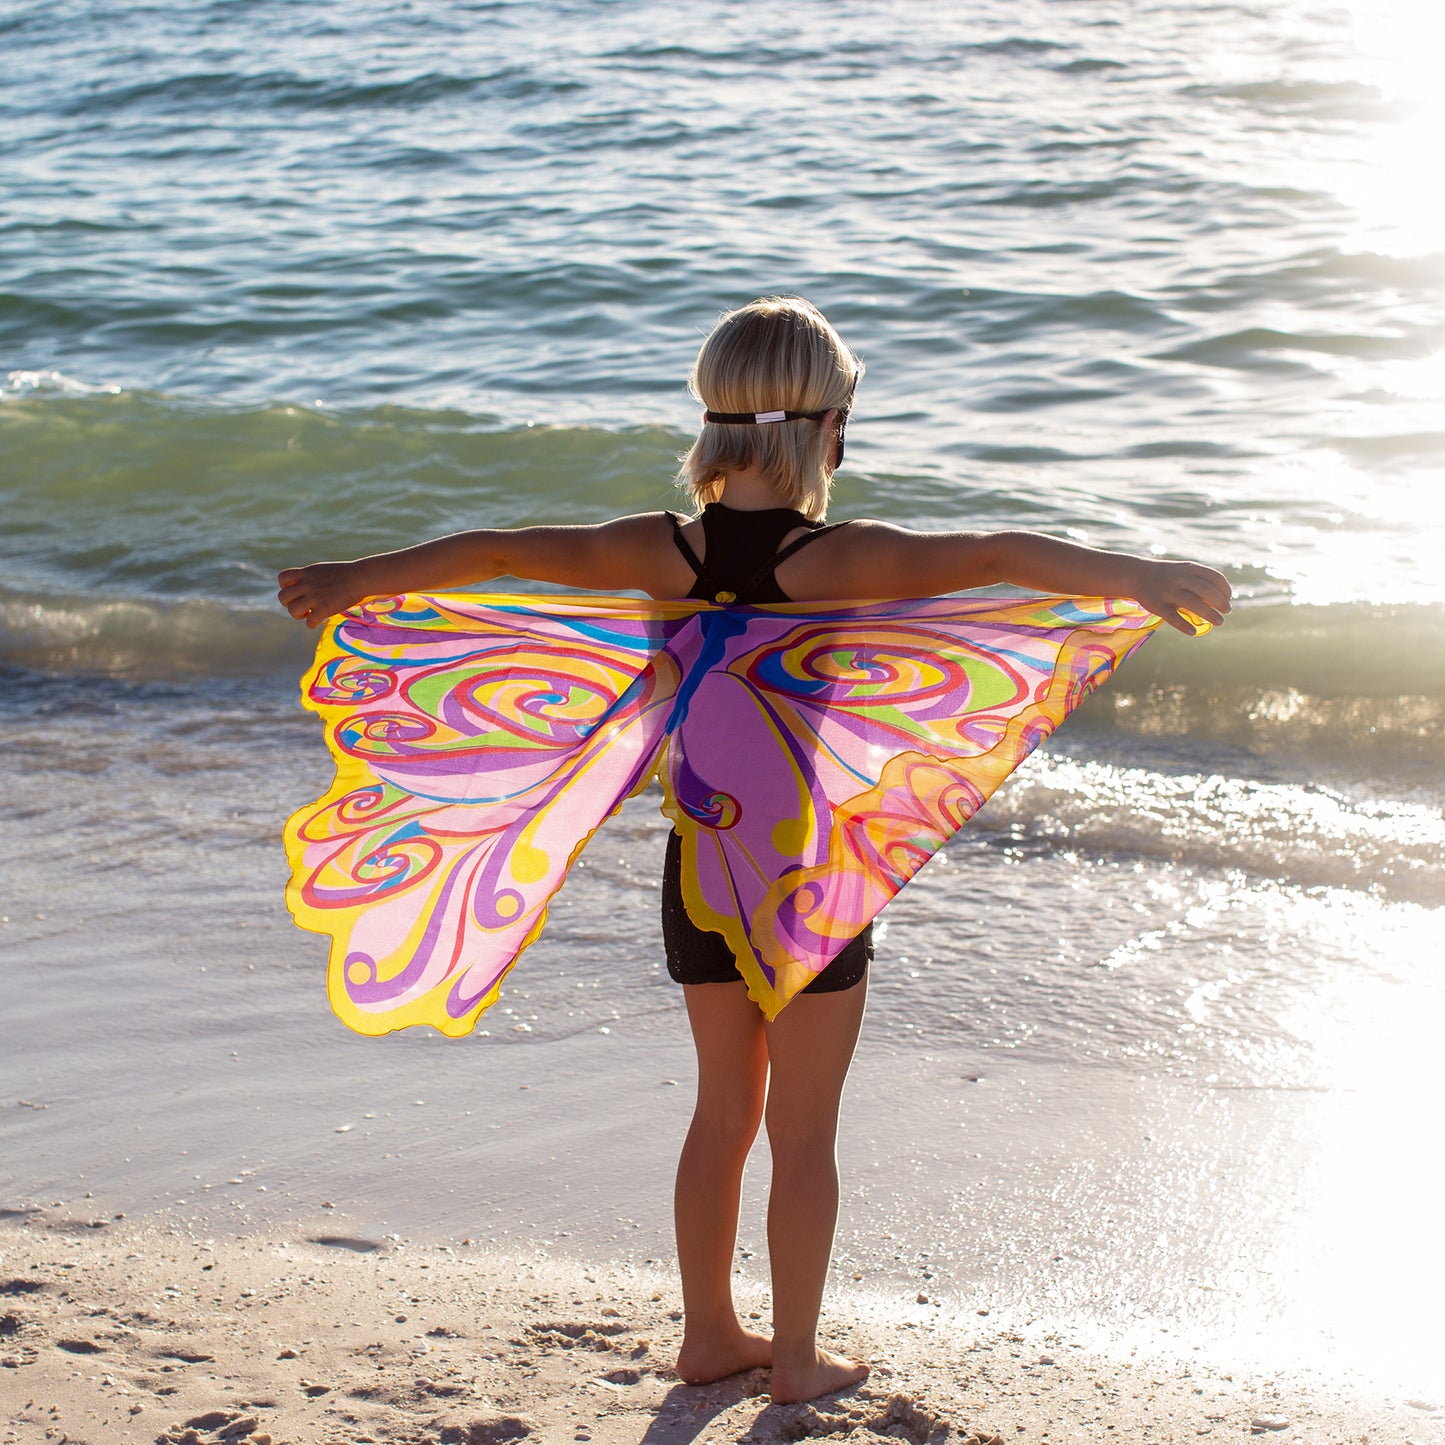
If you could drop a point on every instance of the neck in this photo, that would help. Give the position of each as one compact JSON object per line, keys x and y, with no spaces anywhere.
{"x":749,"y":491}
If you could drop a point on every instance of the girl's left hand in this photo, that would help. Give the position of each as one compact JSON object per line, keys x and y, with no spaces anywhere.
{"x":1172,"y":589}
{"x":312,"y":594}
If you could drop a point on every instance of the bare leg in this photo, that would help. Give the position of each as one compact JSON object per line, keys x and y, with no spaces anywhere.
{"x":732,"y":1076}
{"x":810,"y":1046}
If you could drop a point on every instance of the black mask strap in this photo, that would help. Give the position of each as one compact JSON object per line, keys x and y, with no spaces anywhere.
{"x":763,"y":418}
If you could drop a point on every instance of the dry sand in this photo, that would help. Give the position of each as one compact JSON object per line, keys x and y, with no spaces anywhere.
{"x":113,"y":1332}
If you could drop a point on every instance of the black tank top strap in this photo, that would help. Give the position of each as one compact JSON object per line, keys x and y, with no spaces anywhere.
{"x":685,"y":547}
{"x":778,"y":558}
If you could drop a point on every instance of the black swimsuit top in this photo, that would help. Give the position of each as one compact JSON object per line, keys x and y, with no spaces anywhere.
{"x":742,"y":552}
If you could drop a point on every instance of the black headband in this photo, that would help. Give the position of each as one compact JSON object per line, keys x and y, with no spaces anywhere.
{"x":762,"y":418}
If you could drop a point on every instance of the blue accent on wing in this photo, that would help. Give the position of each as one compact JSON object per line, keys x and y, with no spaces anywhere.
{"x":718,"y":628}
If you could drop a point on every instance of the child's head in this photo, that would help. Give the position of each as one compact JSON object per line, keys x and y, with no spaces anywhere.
{"x":777,"y":354}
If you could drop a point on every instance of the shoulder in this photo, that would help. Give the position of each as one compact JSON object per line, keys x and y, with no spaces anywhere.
{"x":870,"y":529}
{"x":638,"y":551}
{"x":870,"y":558}
{"x":867,"y":536}
{"x":642,"y":530}
{"x":891,"y":539}
{"x":875,"y":538}
{"x":649,"y":524}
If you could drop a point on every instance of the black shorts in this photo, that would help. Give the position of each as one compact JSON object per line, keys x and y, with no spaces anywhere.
{"x":695,"y":955}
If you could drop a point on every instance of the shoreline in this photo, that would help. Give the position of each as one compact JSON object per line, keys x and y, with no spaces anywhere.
{"x":114,"y":1331}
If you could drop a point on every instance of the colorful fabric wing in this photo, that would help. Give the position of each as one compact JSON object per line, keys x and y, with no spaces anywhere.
{"x":825,"y":755}
{"x":813,"y":758}
{"x":479,"y":743}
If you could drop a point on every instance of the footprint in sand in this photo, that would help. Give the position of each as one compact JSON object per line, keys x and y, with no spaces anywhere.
{"x":346,"y":1241}
{"x":13,"y":1288}
{"x":623,"y":1377}
{"x":487,"y":1432}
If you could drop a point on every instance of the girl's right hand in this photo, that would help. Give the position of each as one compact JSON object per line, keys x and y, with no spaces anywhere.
{"x":1176,"y":591}
{"x":312,"y":594}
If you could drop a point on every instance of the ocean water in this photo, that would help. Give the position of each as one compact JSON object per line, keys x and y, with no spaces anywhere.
{"x":280,"y":282}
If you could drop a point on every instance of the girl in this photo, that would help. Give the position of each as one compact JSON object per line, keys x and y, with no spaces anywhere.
{"x":777,"y":383}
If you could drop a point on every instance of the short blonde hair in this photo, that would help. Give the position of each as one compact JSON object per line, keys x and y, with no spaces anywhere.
{"x":779,"y":353}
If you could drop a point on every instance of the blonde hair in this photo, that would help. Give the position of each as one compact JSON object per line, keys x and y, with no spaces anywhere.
{"x":779,"y":353}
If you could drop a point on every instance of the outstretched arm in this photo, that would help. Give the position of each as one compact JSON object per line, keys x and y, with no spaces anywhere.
{"x":608,"y":555}
{"x":894,"y":561}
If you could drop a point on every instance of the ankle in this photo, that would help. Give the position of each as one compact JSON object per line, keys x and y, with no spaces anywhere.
{"x":794,"y":1354}
{"x":711,"y":1324}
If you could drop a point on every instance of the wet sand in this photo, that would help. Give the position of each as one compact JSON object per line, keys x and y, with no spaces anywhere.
{"x":113,"y":1331}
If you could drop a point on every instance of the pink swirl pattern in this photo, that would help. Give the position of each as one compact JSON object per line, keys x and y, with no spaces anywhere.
{"x":812,"y":758}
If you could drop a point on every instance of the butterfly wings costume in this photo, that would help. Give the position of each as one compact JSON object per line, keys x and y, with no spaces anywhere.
{"x":812,"y":758}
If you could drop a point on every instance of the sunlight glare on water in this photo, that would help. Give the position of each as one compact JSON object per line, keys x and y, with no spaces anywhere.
{"x":1400,"y":212}
{"x":1366,"y":1247}
{"x":1398,"y":46}
{"x":1349,"y":110}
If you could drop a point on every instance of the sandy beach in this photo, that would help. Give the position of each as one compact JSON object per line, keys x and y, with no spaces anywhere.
{"x":114,"y":1332}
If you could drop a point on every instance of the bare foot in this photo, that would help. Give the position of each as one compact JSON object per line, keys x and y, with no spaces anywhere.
{"x":826,"y":1373}
{"x":703,"y":1359}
